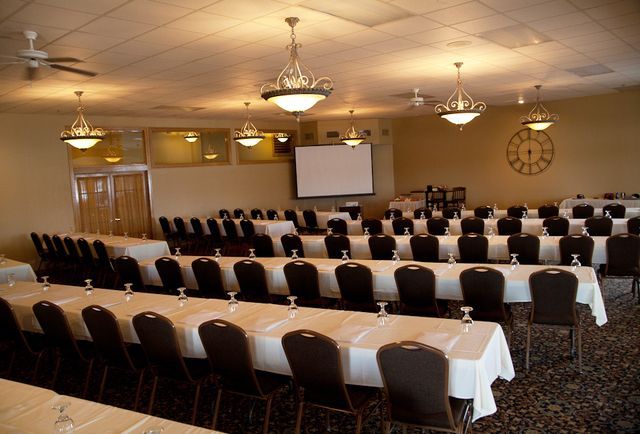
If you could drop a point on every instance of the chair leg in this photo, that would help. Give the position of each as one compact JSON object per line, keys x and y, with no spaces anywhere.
{"x":138,"y":390}
{"x":299,"y":417}
{"x":267,"y":414}
{"x":36,"y":368}
{"x":216,"y":408}
{"x":55,"y":372}
{"x":359,"y":422}
{"x":11,"y":361}
{"x":526,"y":363}
{"x":103,"y":382}
{"x":196,"y":400}
{"x":579,"y":333}
{"x":153,"y":393}
{"x":87,"y":379}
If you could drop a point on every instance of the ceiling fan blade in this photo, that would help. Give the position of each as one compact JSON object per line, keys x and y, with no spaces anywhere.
{"x":74,"y":70}
{"x":63,"y":59}
{"x":31,"y":74}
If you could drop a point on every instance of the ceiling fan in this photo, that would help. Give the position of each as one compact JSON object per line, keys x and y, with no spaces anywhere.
{"x":33,"y":59}
{"x":418,"y":100}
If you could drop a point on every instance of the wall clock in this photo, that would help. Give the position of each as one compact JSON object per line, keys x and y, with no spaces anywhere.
{"x":530,"y":152}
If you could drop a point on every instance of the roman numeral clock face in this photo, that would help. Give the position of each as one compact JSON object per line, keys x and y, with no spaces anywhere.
{"x":530,"y":152}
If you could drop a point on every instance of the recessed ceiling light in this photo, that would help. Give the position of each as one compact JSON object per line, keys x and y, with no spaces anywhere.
{"x":457,"y":44}
{"x":520,"y":100}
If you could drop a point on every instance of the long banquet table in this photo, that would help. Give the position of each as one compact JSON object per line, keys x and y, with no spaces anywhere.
{"x":20,"y":271}
{"x":599,"y":203}
{"x":476,"y":358}
{"x":532,"y":213}
{"x":28,"y":409}
{"x":384,"y":285}
{"x":273,"y":228}
{"x":314,"y":247}
{"x":131,"y":246}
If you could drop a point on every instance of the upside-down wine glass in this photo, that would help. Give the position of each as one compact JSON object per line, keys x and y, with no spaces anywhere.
{"x":295,"y":231}
{"x":495,"y":207}
{"x":345,"y":256}
{"x":294,"y":254}
{"x":526,"y":206}
{"x":406,"y":232}
{"x":182,"y":297}
{"x":395,"y":258}
{"x":422,"y":216}
{"x":392,"y":215}
{"x":329,"y":232}
{"x":524,"y":214}
{"x":252,"y":254}
{"x":359,"y":218}
{"x":63,"y":424}
{"x":178,"y":254}
{"x":585,"y":231}
{"x":545,"y":232}
{"x":232,"y":305}
{"x":217,"y":256}
{"x":491,"y":232}
{"x":144,"y":237}
{"x":466,"y":322}
{"x":446,"y":232}
{"x":607,"y":214}
{"x":126,"y":236}
{"x":565,"y":214}
{"x":11,"y":279}
{"x":128,"y":292}
{"x":45,"y":283}
{"x":366,"y":233}
{"x":490,"y":215}
{"x":455,"y":215}
{"x":575,"y":263}
{"x":462,"y":207}
{"x":3,"y":258}
{"x":88,"y":289}
{"x":110,"y":234}
{"x":451,"y":261}
{"x":292,"y":309}
{"x":514,"y":261}
{"x":382,"y":316}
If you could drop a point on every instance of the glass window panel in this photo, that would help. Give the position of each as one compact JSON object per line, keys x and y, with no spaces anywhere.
{"x":170,"y":147}
{"x":119,"y":147}
{"x":270,"y":149}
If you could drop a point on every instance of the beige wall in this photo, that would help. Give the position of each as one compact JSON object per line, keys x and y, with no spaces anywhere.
{"x":596,"y":141}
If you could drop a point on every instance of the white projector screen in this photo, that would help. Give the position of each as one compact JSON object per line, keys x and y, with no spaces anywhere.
{"x":334,"y":170}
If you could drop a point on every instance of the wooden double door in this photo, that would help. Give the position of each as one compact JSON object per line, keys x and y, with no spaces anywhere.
{"x":115,"y":202}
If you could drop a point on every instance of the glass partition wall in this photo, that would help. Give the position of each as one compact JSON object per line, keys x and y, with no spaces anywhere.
{"x":173,"y":147}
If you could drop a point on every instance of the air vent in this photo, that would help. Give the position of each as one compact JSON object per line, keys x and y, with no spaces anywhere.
{"x":332,"y":134}
{"x":589,"y":70}
{"x":514,"y":36}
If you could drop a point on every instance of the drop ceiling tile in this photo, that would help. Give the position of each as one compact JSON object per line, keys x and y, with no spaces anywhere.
{"x":8,"y":7}
{"x":140,"y":48}
{"x":88,"y":41}
{"x":112,"y":58}
{"x":484,"y":24}
{"x":166,"y":36}
{"x":307,"y":17}
{"x":628,"y":31}
{"x":67,"y":51}
{"x":92,"y":7}
{"x":557,"y":22}
{"x":336,"y":28}
{"x":423,"y":7}
{"x":621,"y":21}
{"x":192,"y":4}
{"x":612,"y":10}
{"x":408,"y":26}
{"x":461,"y":13}
{"x":106,"y":26}
{"x":572,"y":31}
{"x":245,"y":9}
{"x":146,"y":11}
{"x":203,"y":22}
{"x":364,"y":37}
{"x":250,"y":32}
{"x":509,"y":5}
{"x":392,"y":45}
{"x":537,"y":12}
{"x":437,"y":35}
{"x":13,"y":30}
{"x":52,"y":17}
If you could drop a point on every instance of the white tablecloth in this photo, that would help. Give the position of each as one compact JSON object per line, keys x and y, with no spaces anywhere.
{"x":384,"y":285}
{"x":599,"y":203}
{"x":27,"y":409}
{"x":498,"y":250}
{"x":407,"y":205}
{"x":476,"y":358}
{"x":134,"y":247}
{"x":273,"y":228}
{"x":322,"y":217}
{"x":532,"y":213}
{"x":20,"y":270}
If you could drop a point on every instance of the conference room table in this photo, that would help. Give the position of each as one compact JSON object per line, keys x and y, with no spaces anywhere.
{"x":119,"y":245}
{"x":384,"y":285}
{"x":476,"y":358}
{"x":321,"y":216}
{"x":529,"y":225}
{"x":28,"y":409}
{"x":273,"y":228}
{"x":599,"y":203}
{"x":408,"y":205}
{"x":314,"y":247}
{"x":20,"y":271}
{"x":532,"y":213}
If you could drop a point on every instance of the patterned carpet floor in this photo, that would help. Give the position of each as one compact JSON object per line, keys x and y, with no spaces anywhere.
{"x":551,"y":398}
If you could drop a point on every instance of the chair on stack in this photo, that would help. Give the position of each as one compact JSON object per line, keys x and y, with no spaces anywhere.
{"x":233,"y":367}
{"x":582,"y":211}
{"x":473,"y":248}
{"x":12,"y":337}
{"x":416,"y":387}
{"x":335,"y":244}
{"x":517,"y":211}
{"x":248,"y":230}
{"x":623,"y":259}
{"x":214,"y":230}
{"x":599,"y":226}
{"x":483,"y":211}
{"x":526,"y":246}
{"x":59,"y":339}
{"x":546,"y":211}
{"x":272,"y":214}
{"x":556,"y":226}
{"x":633,"y":225}
{"x":105,"y":264}
{"x":292,"y":216}
{"x":209,"y":278}
{"x":129,"y":272}
{"x":318,"y":376}
{"x":51,"y":252}
{"x":302,"y":280}
{"x":451,"y":212}
{"x":509,"y":226}
{"x":256,"y":214}
{"x":417,"y":292}
{"x":40,"y":250}
{"x":185,"y":239}
{"x":382,"y":246}
{"x":579,"y":244}
{"x":170,"y":235}
{"x":238,"y":213}
{"x":553,"y":304}
{"x":401,"y":224}
{"x":263,"y":246}
{"x":157,"y":335}
{"x":310,"y":221}
{"x":422,"y":211}
{"x":224,"y":213}
{"x":232,"y":245}
{"x":437,"y":225}
{"x":337,"y":225}
{"x":252,"y":281}
{"x":392,"y":213}
{"x":425,"y":248}
{"x":483,"y":290}
{"x":355,"y":282}
{"x":74,"y":259}
{"x":374,"y":226}
{"x":458,"y":197}
{"x":88,"y":265}
{"x":170,"y":275}
{"x":292,"y":242}
{"x":616,"y":210}
{"x":111,"y":349}
{"x":201,"y":240}
{"x":472,"y":224}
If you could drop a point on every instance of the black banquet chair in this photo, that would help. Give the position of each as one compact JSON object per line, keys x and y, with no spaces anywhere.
{"x":526,"y":246}
{"x":209,"y":278}
{"x":473,"y":248}
{"x":337,"y":225}
{"x":248,"y":229}
{"x":425,"y":248}
{"x":633,"y":225}
{"x":318,"y":376}
{"x":417,"y":291}
{"x":582,"y":211}
{"x":252,"y":281}
{"x":13,"y":339}
{"x":302,"y":280}
{"x":546,"y":211}
{"x":224,"y":213}
{"x":355,"y":282}
{"x":263,"y":246}
{"x":310,"y":221}
{"x":238,"y":213}
{"x":233,"y":367}
{"x":517,"y":211}
{"x":292,"y":242}
{"x":616,"y":210}
{"x":157,"y":335}
{"x":382,"y":246}
{"x":128,"y":271}
{"x":599,"y":226}
{"x":623,"y":259}
{"x":579,"y":244}
{"x":374,"y":226}
{"x":416,"y":387}
{"x":170,"y":274}
{"x":401,"y":225}
{"x":335,"y":244}
{"x":422,"y":213}
{"x":556,"y":226}
{"x":256,"y":214}
{"x":509,"y":226}
{"x":483,"y":211}
{"x":392,"y":213}
{"x":472,"y":224}
{"x":40,"y":250}
{"x":437,"y":225}
{"x":272,"y":214}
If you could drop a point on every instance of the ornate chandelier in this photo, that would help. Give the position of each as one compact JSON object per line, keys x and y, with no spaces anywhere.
{"x":248,"y":135}
{"x":460,"y":108}
{"x":211,"y":153}
{"x":82,"y":135}
{"x":296,"y":88}
{"x":352,"y":137}
{"x":191,"y":136}
{"x":281,"y":137}
{"x":539,"y":118}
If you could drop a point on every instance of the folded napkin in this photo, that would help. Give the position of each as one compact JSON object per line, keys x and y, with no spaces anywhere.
{"x":262,"y":324}
{"x":350,"y":332}
{"x":200,"y":317}
{"x":442,"y":341}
